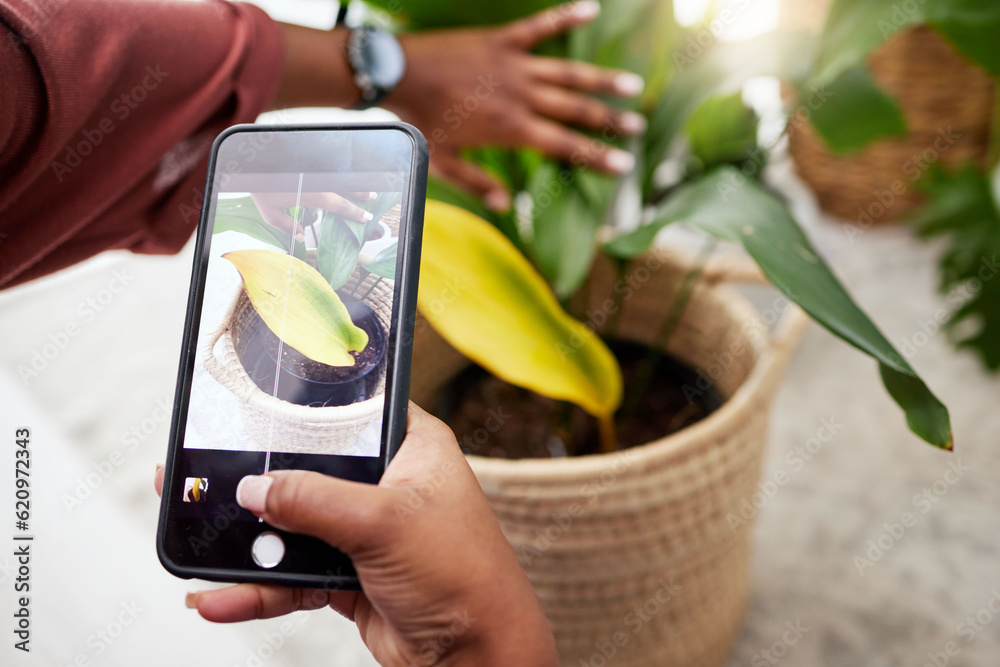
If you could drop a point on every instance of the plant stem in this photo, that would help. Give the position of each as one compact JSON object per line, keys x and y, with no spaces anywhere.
{"x":617,"y":295}
{"x":365,"y":295}
{"x":644,"y":374}
{"x":609,"y":434}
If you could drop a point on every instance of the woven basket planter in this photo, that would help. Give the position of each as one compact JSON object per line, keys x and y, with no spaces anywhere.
{"x":948,"y":104}
{"x":631,"y":553}
{"x":303,"y":429}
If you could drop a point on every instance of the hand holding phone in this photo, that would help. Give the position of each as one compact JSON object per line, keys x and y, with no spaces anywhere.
{"x":441,"y":583}
{"x":297,"y":342}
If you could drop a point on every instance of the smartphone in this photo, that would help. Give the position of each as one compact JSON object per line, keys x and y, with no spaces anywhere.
{"x":296,"y":351}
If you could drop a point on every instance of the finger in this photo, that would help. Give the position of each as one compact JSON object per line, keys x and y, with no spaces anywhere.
{"x":558,"y":142}
{"x":362,"y":196}
{"x":350,"y":516}
{"x":275,"y":216}
{"x":344,"y":603}
{"x":582,"y":111}
{"x":334,"y":203}
{"x":158,"y":479}
{"x":583,"y":76}
{"x":473,"y":179}
{"x":248,"y":602}
{"x":527,"y":32}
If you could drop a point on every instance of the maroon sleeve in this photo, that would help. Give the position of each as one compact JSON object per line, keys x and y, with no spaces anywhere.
{"x":107,"y":111}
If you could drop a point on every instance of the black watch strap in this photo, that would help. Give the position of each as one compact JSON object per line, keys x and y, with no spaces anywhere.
{"x":377,"y":61}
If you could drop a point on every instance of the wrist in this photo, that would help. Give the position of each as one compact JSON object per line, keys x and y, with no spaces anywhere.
{"x":520,"y":637}
{"x":316,"y":71}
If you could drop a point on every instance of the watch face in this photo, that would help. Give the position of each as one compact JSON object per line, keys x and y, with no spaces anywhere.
{"x":383,"y":58}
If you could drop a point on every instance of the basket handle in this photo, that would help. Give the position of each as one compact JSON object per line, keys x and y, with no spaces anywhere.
{"x":223,"y":373}
{"x":737,"y":267}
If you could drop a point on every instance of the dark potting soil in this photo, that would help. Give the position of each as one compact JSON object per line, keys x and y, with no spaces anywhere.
{"x":303,"y":381}
{"x":494,"y":418}
{"x":302,"y":366}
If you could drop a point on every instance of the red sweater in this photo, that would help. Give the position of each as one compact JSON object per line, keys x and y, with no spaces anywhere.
{"x":107,"y":112}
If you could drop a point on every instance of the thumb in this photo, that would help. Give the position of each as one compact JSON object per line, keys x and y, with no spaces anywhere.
{"x":350,"y":516}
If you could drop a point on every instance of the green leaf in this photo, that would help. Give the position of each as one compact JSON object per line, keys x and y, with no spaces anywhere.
{"x":426,"y":14}
{"x":384,"y":263}
{"x":506,"y":223}
{"x":298,"y":306}
{"x":566,"y":214}
{"x":722,"y":130}
{"x":481,"y":294}
{"x":856,"y":113}
{"x":338,"y":251}
{"x":731,"y":207}
{"x":634,"y":35}
{"x":722,"y":68}
{"x":854,"y":28}
{"x":971,"y":26}
{"x":382,"y":204}
{"x":961,"y":207}
{"x":240,"y":214}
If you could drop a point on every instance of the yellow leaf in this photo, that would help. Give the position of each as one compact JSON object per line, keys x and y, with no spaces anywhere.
{"x":299,"y":306}
{"x":482,"y":295}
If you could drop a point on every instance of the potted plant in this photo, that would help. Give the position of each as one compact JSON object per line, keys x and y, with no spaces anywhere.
{"x":329,"y":329}
{"x":912,"y":86}
{"x":637,"y":544}
{"x":923,"y":79}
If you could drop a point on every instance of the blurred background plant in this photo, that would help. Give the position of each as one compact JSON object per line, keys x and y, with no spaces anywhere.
{"x":913,"y":95}
{"x":700,"y":162}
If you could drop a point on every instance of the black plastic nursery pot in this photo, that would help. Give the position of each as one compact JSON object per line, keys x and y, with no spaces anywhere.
{"x":301,"y":380}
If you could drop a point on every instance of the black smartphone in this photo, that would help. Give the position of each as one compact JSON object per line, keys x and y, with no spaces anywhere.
{"x":297,"y":343}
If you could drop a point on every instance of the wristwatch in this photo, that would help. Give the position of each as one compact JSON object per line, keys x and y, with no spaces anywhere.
{"x":378,"y":63}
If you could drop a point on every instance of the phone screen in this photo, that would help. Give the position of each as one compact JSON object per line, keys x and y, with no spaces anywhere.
{"x":293,"y":335}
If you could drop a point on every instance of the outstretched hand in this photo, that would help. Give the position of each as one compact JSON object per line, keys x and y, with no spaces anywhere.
{"x":483,"y":87}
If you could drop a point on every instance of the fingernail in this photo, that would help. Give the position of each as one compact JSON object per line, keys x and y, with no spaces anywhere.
{"x":586,"y":9}
{"x":159,"y":467}
{"x":629,"y":84}
{"x":497,"y":200}
{"x":619,"y":161}
{"x":632,"y":122}
{"x":191,"y":601}
{"x":251,"y":492}
{"x":367,"y":216}
{"x":372,"y":195}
